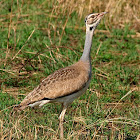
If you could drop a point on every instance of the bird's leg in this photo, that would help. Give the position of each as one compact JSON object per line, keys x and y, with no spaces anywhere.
{"x":61,"y":119}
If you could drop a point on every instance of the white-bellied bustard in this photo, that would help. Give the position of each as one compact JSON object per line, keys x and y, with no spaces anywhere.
{"x":68,"y":83}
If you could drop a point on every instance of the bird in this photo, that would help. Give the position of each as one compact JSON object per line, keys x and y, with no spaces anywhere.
{"x":68,"y":83}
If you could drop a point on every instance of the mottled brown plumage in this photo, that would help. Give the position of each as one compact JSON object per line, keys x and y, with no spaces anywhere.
{"x":61,"y":83}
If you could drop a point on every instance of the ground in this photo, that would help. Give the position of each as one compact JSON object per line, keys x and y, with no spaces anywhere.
{"x":39,"y":37}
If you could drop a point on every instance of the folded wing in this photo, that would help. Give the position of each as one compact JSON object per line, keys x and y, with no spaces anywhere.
{"x":61,"y":83}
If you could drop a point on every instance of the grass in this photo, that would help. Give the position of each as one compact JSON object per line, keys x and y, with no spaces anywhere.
{"x":39,"y":37}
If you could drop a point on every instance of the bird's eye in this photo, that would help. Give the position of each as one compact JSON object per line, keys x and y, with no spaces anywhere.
{"x":92,"y":16}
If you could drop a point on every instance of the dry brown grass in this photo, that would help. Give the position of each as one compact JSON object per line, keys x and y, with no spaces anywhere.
{"x":120,"y":12}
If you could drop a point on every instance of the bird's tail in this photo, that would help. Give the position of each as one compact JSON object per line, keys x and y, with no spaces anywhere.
{"x":19,"y":107}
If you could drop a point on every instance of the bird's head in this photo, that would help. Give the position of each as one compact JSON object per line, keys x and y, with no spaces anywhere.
{"x":92,"y":20}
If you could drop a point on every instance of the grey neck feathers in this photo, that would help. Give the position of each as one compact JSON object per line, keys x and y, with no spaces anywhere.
{"x":88,"y":43}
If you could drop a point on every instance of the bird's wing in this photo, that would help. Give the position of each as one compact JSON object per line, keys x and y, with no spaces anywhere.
{"x":61,"y":83}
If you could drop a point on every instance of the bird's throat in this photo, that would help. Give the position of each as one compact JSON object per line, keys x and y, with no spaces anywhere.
{"x":88,"y":43}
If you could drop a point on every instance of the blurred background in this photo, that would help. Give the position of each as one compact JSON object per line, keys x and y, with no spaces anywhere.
{"x":38,"y":37}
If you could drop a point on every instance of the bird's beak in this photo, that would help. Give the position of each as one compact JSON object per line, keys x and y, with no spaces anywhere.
{"x":102,"y":14}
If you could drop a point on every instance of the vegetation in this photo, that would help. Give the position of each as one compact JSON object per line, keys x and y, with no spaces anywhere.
{"x":39,"y":37}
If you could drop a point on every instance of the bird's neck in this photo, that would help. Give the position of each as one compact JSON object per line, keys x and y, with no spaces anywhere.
{"x":88,"y":43}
